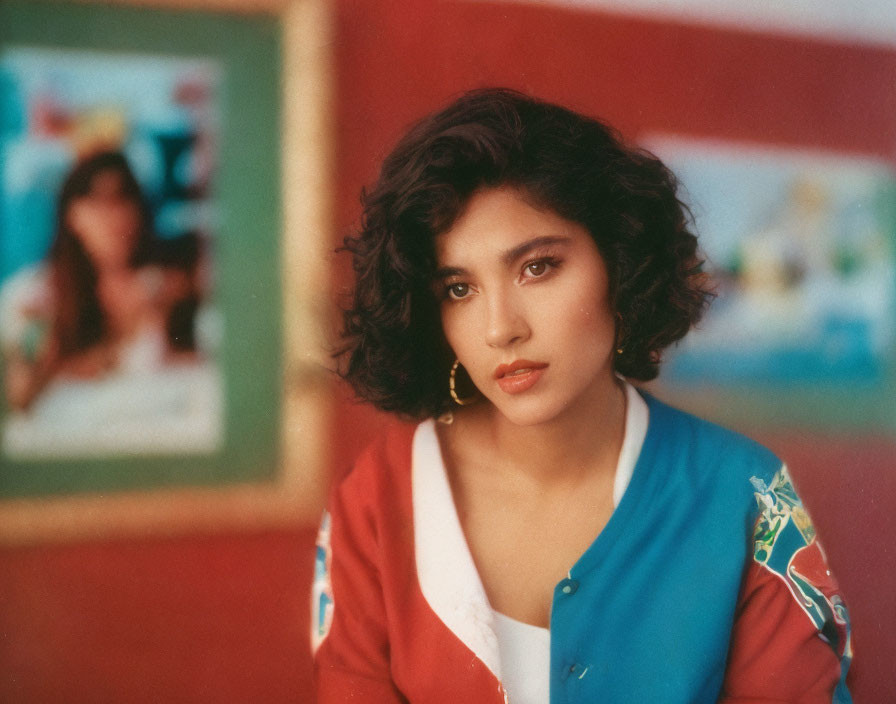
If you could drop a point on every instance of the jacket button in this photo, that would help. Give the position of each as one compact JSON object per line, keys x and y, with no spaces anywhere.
{"x":569,"y":586}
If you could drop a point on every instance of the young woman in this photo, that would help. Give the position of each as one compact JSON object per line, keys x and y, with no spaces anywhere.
{"x":548,"y":532}
{"x":104,"y":298}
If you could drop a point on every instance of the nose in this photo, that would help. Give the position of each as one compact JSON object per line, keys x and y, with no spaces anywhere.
{"x":506,"y":323}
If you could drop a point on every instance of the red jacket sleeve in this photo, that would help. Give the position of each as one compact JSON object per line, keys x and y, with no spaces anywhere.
{"x":349,"y":637}
{"x":791,"y":638}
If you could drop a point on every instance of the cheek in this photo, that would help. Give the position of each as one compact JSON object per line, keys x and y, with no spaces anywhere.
{"x":129,"y":219}
{"x":89,"y":230}
{"x":454,"y":328}
{"x":595,"y":316}
{"x":465,"y":338}
{"x":583,"y":324}
{"x":78,"y":218}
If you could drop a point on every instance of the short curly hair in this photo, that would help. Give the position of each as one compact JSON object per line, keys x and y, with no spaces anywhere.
{"x":394,"y":353}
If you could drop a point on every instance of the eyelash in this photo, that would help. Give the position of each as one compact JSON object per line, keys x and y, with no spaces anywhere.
{"x":551,"y":264}
{"x":449,"y":289}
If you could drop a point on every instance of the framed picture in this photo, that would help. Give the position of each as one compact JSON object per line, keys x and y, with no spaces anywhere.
{"x":802,"y":248}
{"x":161,"y":266}
{"x":110,"y":161}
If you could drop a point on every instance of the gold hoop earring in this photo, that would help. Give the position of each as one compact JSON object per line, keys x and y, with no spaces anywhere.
{"x":620,"y":348}
{"x":452,"y":382}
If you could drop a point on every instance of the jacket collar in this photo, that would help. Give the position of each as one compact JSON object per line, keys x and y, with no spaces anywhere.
{"x":445,"y":569}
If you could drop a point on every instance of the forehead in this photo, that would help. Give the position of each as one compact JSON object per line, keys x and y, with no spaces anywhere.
{"x":107,"y":181}
{"x":495,"y":221}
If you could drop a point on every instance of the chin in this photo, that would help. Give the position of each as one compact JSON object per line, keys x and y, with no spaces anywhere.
{"x":529,"y":411}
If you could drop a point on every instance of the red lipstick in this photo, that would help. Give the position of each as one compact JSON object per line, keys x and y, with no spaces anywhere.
{"x":519,"y":376}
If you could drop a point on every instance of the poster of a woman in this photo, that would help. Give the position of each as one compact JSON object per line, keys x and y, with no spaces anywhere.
{"x":106,"y":291}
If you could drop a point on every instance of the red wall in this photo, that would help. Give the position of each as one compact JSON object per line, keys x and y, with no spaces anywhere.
{"x":224,"y":618}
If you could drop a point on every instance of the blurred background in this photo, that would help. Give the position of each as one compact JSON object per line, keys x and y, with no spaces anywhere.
{"x":780,"y":120}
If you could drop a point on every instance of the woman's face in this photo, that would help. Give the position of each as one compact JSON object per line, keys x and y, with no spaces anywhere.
{"x":106,"y":220}
{"x":524,"y":306}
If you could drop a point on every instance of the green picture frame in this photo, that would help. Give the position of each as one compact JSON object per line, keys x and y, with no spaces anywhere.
{"x":247,"y":256}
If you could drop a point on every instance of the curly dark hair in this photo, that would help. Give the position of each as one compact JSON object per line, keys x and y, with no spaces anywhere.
{"x":394,"y":353}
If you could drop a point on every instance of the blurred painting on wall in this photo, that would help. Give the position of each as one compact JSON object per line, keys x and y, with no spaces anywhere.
{"x":109,"y":323}
{"x":801,"y":247}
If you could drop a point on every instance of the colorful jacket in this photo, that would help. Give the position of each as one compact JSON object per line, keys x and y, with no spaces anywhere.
{"x":707,"y":584}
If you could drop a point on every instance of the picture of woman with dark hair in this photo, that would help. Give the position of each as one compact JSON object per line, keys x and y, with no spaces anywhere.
{"x":111,"y":299}
{"x":102,"y":297}
{"x":547,"y":530}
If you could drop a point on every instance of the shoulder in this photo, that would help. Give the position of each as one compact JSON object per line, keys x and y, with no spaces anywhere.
{"x":702,"y":444}
{"x":24,"y":296}
{"x":390,"y":450}
{"x":697,"y":462}
{"x":26,"y":283}
{"x":382,"y":468}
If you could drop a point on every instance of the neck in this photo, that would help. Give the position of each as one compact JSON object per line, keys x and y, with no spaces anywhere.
{"x":113,"y":271}
{"x":584,"y":439}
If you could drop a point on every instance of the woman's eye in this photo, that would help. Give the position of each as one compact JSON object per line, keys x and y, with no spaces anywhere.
{"x":537,"y":268}
{"x":458,"y":290}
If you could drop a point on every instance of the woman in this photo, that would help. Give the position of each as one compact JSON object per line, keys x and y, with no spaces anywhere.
{"x":100,"y":303}
{"x":548,"y":532}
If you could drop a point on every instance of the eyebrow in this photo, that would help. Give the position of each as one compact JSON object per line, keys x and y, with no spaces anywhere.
{"x":510,"y":256}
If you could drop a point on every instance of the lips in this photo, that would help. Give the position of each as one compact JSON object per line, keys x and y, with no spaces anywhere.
{"x":519,"y":376}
